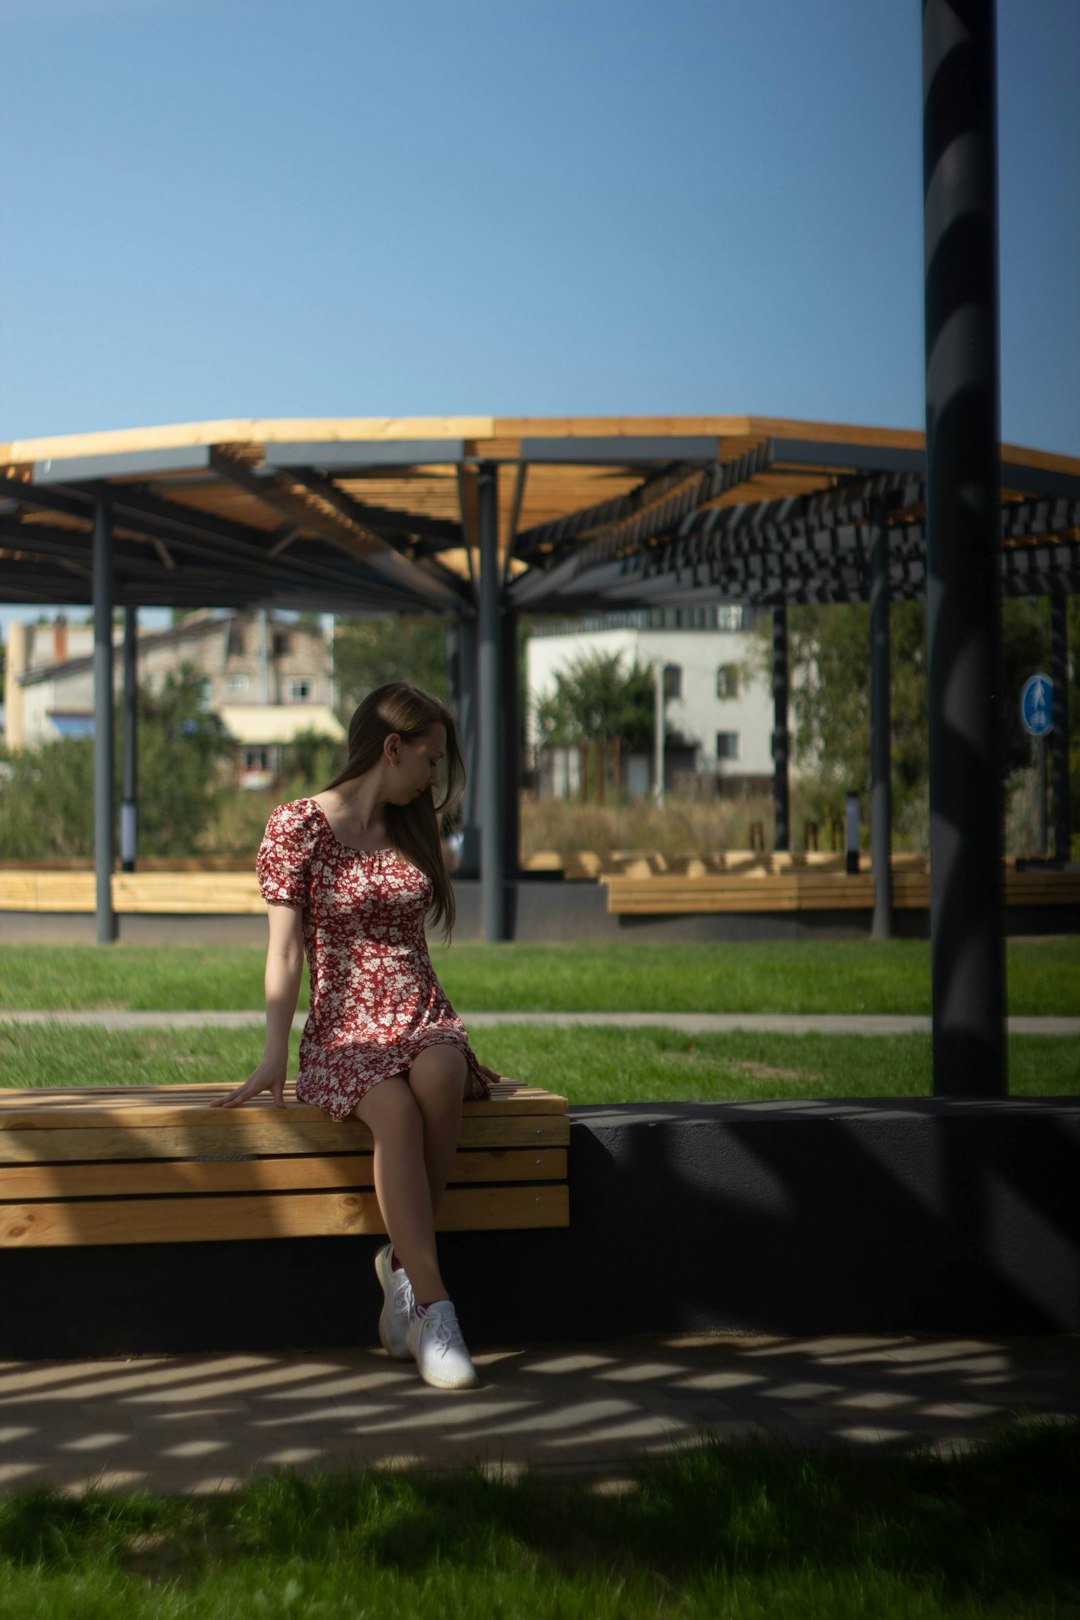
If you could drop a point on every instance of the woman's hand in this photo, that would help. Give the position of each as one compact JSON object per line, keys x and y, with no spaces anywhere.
{"x":269,"y":1076}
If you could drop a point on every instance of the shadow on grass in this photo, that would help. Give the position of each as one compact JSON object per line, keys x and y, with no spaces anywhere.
{"x":994,"y":1525}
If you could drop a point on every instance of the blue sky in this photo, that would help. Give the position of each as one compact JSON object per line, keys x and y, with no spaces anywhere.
{"x":215,"y":208}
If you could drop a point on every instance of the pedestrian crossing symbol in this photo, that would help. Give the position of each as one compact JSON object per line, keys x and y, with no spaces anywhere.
{"x":1037,"y":705}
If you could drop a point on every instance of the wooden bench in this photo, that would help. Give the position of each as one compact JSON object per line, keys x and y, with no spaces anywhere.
{"x":179,"y":891}
{"x":790,"y":887}
{"x":757,"y":890}
{"x":158,"y":1164}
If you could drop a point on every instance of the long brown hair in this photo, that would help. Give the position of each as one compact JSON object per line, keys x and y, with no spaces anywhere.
{"x":413,"y":829}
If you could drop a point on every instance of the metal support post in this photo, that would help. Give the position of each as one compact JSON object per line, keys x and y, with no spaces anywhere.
{"x":511,"y":747}
{"x":129,"y":744}
{"x":103,"y":722}
{"x":963,"y":564}
{"x":466,"y":706}
{"x":452,"y":648}
{"x":659,"y":730}
{"x":453,"y":669}
{"x":1042,"y":778}
{"x":880,"y":729}
{"x":1059,"y":737}
{"x":780,"y":736}
{"x":489,"y":680}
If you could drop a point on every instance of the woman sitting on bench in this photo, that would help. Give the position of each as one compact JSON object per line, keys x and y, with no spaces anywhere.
{"x":349,"y":876}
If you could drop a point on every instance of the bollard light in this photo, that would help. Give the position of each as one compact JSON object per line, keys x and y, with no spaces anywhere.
{"x":851,"y":821}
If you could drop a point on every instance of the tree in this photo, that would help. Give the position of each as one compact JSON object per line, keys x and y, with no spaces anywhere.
{"x":312,"y":759}
{"x":47,"y":793}
{"x":183,"y":746}
{"x":830,"y":702}
{"x":830,"y":699}
{"x":370,"y":652}
{"x":596,"y":699}
{"x":47,"y":801}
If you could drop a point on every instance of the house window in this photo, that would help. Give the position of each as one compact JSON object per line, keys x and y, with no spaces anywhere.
{"x":299,"y":691}
{"x":282,"y":643}
{"x":235,"y":645}
{"x":237,"y":683}
{"x":730,"y":616}
{"x":727,"y":681}
{"x":727,"y":745}
{"x":673,"y":687}
{"x":256,"y":759}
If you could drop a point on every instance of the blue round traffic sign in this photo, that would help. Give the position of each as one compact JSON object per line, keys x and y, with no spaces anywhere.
{"x":1037,"y":705}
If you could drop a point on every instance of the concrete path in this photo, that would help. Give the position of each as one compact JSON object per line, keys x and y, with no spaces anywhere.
{"x":198,"y":1423}
{"x":688,"y":1023}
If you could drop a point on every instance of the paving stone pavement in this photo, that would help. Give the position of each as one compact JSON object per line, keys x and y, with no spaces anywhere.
{"x":201,"y":1423}
{"x":688,"y":1023}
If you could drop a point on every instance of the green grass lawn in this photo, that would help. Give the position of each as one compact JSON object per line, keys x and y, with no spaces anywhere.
{"x":602,"y":1065}
{"x":742,"y":1531}
{"x":826,"y":976}
{"x":589,"y":1065}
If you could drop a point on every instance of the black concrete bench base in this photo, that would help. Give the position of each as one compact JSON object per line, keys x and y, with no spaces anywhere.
{"x":892,"y":1216}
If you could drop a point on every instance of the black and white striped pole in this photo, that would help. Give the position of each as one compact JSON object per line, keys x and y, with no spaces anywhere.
{"x":963,"y":564}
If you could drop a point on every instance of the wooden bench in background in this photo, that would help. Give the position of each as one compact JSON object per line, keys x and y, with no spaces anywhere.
{"x":754,"y":863}
{"x":789,"y":886}
{"x":636,"y":882}
{"x":173,"y":891}
{"x":158,"y":1164}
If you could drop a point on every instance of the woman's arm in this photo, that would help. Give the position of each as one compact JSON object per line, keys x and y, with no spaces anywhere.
{"x":284,"y":965}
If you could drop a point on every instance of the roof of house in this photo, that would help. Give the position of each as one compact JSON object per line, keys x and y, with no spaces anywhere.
{"x":194,"y":628}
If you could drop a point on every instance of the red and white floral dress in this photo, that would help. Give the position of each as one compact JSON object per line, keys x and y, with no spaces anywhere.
{"x":376,"y":1002}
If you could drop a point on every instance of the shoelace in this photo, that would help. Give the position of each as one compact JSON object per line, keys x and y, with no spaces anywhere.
{"x":403,"y":1294}
{"x":446,"y":1332}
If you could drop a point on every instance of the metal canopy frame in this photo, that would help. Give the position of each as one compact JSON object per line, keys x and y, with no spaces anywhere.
{"x":724,"y":509}
{"x":476,"y":520}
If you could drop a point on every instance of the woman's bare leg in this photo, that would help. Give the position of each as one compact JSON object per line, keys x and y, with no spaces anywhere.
{"x":438,"y":1079}
{"x":392,"y":1113}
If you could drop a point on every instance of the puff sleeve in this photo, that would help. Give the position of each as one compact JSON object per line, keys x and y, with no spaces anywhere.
{"x":285,"y":856}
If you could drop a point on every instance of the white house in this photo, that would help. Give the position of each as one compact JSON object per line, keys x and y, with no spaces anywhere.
{"x":718,"y":701}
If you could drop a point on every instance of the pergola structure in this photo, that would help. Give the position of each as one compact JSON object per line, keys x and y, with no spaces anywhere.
{"x":374,"y":515}
{"x":477,"y":519}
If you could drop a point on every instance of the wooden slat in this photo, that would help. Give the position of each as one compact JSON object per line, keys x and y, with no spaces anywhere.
{"x":199,"y":892}
{"x":112,"y":1179}
{"x":19,"y":890}
{"x":128,"y":1142}
{"x":1042,"y":888}
{"x":605,"y":427}
{"x":194,"y":1219}
{"x":808,"y":890}
{"x":257,"y":430}
{"x":46,"y":891}
{"x":147,"y":863}
{"x":509,"y":1096}
{"x":166,"y":892}
{"x":32,"y":1108}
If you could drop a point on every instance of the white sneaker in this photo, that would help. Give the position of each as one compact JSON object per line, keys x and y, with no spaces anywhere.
{"x":397,"y":1305}
{"x":436,"y":1341}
